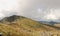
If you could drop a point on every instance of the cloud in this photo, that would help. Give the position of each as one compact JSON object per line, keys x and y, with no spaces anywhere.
{"x":34,"y":9}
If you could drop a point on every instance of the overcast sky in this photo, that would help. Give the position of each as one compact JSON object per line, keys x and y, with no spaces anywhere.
{"x":34,"y":9}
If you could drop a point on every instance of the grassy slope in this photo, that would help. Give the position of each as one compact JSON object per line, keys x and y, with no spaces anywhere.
{"x":23,"y":27}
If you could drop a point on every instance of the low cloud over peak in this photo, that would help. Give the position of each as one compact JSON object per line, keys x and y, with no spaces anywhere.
{"x":34,"y":9}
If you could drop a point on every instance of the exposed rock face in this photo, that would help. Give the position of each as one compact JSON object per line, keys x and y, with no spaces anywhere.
{"x":11,"y":19}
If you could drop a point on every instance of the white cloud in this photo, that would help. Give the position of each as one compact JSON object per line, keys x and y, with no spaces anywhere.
{"x":12,"y":6}
{"x":7,"y":5}
{"x":50,"y":17}
{"x":41,"y":8}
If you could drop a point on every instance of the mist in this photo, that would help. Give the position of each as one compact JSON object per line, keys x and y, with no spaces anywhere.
{"x":35,"y":9}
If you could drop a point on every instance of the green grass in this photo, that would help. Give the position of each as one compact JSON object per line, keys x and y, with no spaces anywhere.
{"x":22,"y":27}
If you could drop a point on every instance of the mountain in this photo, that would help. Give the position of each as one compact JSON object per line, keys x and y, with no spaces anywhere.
{"x":49,"y":22}
{"x":22,"y":26}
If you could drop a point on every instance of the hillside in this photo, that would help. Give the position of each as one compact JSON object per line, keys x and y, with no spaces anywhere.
{"x":57,"y":25}
{"x":22,"y":26}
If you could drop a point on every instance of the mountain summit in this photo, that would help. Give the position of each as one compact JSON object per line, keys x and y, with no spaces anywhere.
{"x":11,"y":18}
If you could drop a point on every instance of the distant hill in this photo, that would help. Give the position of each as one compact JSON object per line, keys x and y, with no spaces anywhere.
{"x":49,"y":22}
{"x":22,"y":26}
